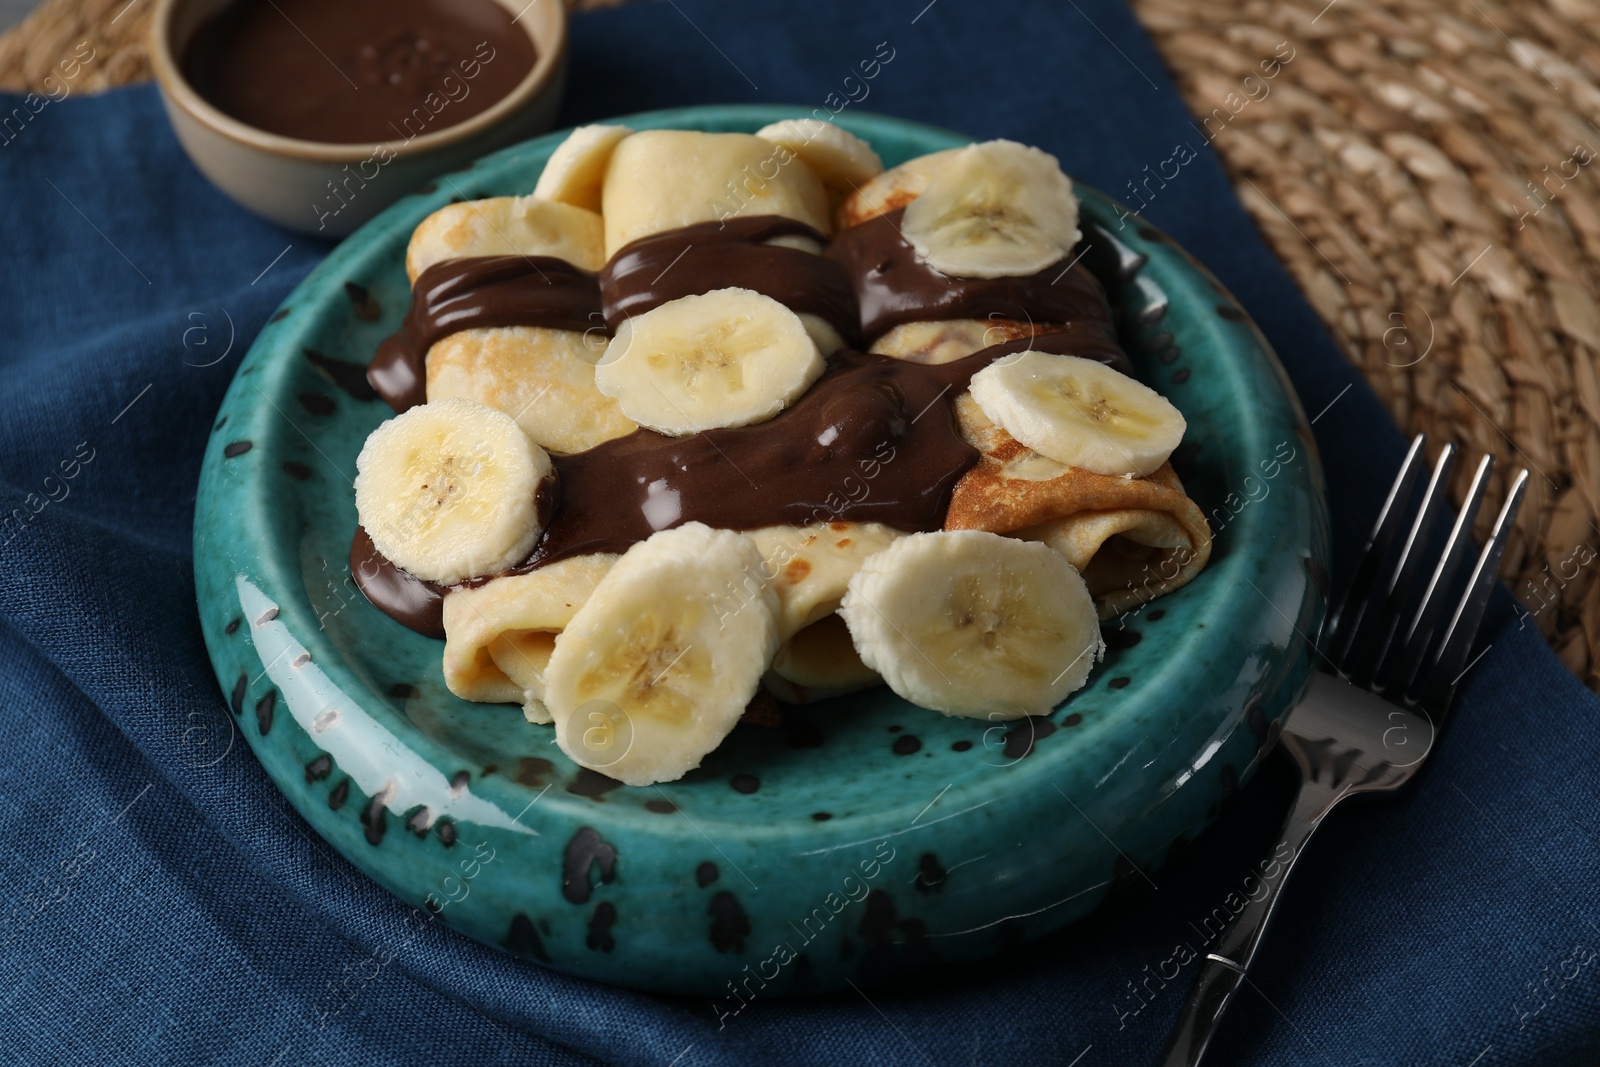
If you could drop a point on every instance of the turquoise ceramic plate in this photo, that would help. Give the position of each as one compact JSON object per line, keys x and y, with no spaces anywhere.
{"x":867,"y":836}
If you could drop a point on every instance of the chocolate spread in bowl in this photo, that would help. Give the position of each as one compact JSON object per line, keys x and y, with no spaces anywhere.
{"x":357,"y":71}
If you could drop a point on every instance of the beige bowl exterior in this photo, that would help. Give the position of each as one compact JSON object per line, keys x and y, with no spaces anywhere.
{"x":330,"y":189}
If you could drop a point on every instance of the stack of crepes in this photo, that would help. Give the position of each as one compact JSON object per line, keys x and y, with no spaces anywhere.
{"x":711,"y":412}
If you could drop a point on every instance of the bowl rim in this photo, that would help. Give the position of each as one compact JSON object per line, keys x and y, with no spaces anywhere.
{"x":547,"y":30}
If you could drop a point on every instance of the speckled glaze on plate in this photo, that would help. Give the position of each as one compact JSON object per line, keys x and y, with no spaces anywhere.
{"x":865,"y":838}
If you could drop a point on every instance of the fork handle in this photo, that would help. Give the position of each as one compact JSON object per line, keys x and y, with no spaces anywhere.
{"x":1222,"y":970}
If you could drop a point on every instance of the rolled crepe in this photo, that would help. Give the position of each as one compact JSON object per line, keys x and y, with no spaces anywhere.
{"x":819,"y":662}
{"x":661,"y":180}
{"x":809,"y":567}
{"x":499,"y":635}
{"x":689,"y":212}
{"x":540,"y":375}
{"x":891,"y":190}
{"x":1132,"y":539}
{"x":506,"y":226}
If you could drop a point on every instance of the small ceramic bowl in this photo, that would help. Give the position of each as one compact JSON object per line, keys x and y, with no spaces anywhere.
{"x":330,"y":189}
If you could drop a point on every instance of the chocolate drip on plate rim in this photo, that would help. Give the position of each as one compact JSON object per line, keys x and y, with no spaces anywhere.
{"x":416,"y":604}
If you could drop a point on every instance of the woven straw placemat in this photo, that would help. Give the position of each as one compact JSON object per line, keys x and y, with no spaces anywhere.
{"x":1424,"y":172}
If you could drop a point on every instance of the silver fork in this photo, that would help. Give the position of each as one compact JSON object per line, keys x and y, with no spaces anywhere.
{"x":1367,"y":726}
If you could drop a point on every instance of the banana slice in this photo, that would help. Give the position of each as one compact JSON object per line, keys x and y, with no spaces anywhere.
{"x":842,"y":160}
{"x":996,"y":209}
{"x":576,"y":171}
{"x":657,"y":666}
{"x":1080,"y":412}
{"x":730,"y":357}
{"x":507,"y":226}
{"x":974,"y":624}
{"x":449,"y":490}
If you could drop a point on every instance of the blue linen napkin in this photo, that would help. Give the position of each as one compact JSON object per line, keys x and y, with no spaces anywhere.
{"x":156,"y":906}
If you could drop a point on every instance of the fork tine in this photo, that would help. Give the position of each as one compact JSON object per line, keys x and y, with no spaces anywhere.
{"x":1367,"y":653}
{"x":1402,"y":673}
{"x":1447,"y":670}
{"x":1344,"y":621}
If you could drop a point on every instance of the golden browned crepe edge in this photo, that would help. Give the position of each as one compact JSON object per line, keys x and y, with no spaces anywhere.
{"x":986,"y":498}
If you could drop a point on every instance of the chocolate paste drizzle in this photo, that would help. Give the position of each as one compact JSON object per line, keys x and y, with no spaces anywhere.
{"x":647,"y":273}
{"x":480,"y":291}
{"x":894,"y":286}
{"x":875,"y":439}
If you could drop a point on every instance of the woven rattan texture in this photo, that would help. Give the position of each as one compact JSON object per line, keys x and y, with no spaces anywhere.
{"x":1424,"y":169}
